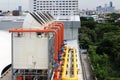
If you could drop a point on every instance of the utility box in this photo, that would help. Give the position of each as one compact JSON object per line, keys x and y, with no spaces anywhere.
{"x":30,"y":50}
{"x":33,"y":48}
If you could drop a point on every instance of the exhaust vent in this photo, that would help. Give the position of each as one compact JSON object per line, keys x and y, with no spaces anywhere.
{"x":37,"y":20}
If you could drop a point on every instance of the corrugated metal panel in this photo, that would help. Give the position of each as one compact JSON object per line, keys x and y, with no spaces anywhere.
{"x":71,"y":29}
{"x":71,"y":33}
{"x":74,"y":24}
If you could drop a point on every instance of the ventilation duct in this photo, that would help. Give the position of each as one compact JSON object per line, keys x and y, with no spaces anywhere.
{"x":37,"y":20}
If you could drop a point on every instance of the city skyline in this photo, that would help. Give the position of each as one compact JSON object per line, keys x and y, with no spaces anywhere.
{"x":83,"y":4}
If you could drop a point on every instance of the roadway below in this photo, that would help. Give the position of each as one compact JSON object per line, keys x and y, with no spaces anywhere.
{"x":88,"y":74}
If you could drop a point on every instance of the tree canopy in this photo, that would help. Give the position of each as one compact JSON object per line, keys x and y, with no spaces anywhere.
{"x":103,"y":43}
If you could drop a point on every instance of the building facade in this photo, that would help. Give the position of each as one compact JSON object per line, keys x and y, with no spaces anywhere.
{"x":55,"y":7}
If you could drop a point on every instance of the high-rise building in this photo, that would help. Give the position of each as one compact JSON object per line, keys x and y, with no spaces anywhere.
{"x":19,"y":8}
{"x":106,"y":9}
{"x":55,"y":7}
{"x":111,"y":4}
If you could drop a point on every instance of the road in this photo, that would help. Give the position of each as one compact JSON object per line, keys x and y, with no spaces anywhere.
{"x":87,"y":67}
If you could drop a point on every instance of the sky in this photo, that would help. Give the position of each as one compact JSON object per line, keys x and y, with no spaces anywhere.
{"x":83,"y":4}
{"x":92,"y":4}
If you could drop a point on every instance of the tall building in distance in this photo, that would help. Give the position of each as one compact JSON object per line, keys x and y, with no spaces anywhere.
{"x":19,"y":8}
{"x":111,"y":4}
{"x":55,"y":7}
{"x":106,"y":9}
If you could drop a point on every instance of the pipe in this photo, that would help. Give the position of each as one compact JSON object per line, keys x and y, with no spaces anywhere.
{"x":47,"y":31}
{"x":64,"y":68}
{"x":75,"y":75}
{"x":59,"y":34}
{"x":57,"y":73}
{"x":75,"y":62}
{"x":19,"y":78}
{"x":60,"y":24}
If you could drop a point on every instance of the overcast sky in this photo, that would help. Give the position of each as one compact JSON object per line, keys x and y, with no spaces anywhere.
{"x":84,"y":4}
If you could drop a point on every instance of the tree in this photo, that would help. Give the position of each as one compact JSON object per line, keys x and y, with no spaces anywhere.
{"x":88,"y":22}
{"x":103,"y":44}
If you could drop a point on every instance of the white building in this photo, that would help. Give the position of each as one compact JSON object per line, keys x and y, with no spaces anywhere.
{"x":55,"y":7}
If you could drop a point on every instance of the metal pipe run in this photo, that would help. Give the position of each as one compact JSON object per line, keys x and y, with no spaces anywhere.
{"x":65,"y":67}
{"x":60,"y":24}
{"x":57,"y":73}
{"x":61,"y":27}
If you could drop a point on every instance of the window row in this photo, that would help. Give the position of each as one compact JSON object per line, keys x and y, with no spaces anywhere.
{"x":57,"y":1}
{"x":55,"y":9}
